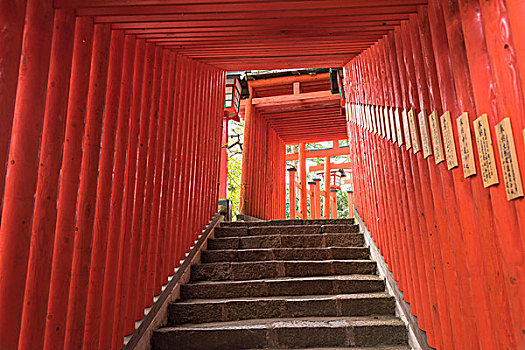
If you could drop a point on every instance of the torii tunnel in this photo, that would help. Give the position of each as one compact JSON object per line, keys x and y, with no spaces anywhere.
{"x":111,"y":118}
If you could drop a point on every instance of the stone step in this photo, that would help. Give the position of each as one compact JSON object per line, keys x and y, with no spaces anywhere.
{"x":341,"y":284}
{"x":379,"y":347}
{"x":225,"y":310}
{"x":240,"y":255}
{"x":288,"y":222}
{"x":287,"y":333}
{"x":221,"y":232}
{"x":288,"y":241}
{"x":273,"y":269}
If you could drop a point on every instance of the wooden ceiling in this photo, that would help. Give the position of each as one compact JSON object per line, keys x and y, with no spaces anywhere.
{"x":308,"y":113}
{"x":254,"y":34}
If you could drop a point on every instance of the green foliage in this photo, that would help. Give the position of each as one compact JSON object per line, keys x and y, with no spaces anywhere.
{"x":235,"y":144}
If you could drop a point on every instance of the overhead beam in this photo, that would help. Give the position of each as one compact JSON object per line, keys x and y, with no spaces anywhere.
{"x":330,"y":152}
{"x":320,"y":167}
{"x":277,"y":100}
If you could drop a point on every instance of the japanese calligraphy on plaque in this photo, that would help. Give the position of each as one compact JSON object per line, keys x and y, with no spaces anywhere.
{"x":435,"y":132}
{"x":379,"y":114}
{"x":372,"y":119}
{"x":425,"y":137}
{"x":392,"y":125}
{"x":407,"y":130}
{"x":416,"y":146}
{"x":448,"y":140}
{"x":398,"y":128}
{"x":509,"y":159}
{"x":465,"y":145}
{"x":487,"y":161}
{"x":387,"y":123}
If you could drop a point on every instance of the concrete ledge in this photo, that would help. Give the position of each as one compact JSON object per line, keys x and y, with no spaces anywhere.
{"x":157,"y":315}
{"x":417,"y":338}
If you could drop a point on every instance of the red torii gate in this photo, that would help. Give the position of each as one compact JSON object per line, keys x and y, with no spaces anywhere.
{"x":330,"y":202}
{"x":284,"y":110}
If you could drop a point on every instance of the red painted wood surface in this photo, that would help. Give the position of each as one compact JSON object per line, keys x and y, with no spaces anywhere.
{"x":111,"y":115}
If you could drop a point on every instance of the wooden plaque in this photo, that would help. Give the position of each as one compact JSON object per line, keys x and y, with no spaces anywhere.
{"x":487,"y":162}
{"x":373,"y":127}
{"x":367,"y":118}
{"x":407,"y":130}
{"x":392,"y":124}
{"x":416,"y":146}
{"x":380,"y":126}
{"x":465,"y":145}
{"x":387,"y":123}
{"x":448,"y":141}
{"x":509,"y":160}
{"x":379,"y":120}
{"x":398,"y":128}
{"x":425,"y":137}
{"x":435,"y":131}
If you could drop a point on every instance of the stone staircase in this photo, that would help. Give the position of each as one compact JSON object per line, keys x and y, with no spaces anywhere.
{"x":284,"y":284}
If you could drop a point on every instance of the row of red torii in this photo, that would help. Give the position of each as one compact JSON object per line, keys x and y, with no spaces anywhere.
{"x":331,"y":175}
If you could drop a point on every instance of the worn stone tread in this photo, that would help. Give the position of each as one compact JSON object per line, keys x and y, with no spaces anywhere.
{"x":287,"y":222}
{"x":288,"y":241}
{"x":379,"y":347}
{"x":283,"y":268}
{"x":263,"y":254}
{"x":284,"y":333}
{"x":213,"y":310}
{"x":337,"y":284}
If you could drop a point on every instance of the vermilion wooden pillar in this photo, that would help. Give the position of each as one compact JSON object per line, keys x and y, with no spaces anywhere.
{"x":95,"y":316}
{"x":350,"y":204}
{"x":129,"y":110}
{"x":313,"y":207}
{"x":12,"y":16}
{"x":333,"y":204}
{"x":87,"y":193}
{"x":317,"y":198}
{"x":140,"y":107}
{"x":22,"y":170}
{"x":326,"y":188}
{"x":291,"y":192}
{"x":103,"y":198}
{"x":303,"y":205}
{"x":223,"y":181}
{"x":69,"y":181}
{"x":44,"y":217}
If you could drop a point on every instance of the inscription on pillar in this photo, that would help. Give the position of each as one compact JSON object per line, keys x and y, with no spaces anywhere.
{"x":435,"y":131}
{"x":407,"y":130}
{"x":487,"y":161}
{"x":465,"y":145}
{"x":509,"y":159}
{"x":448,"y":140}
{"x":425,"y":137}
{"x":398,"y":128}
{"x":416,"y":146}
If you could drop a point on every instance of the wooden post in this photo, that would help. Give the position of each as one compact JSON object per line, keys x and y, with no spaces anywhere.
{"x":333,"y":204}
{"x":87,"y":192}
{"x":45,"y":212}
{"x":303,"y":205}
{"x":291,"y":191}
{"x":326,"y":188}
{"x":317,"y":198}
{"x":69,"y":181}
{"x":223,"y":181}
{"x":313,"y":212}
{"x":103,"y":197}
{"x":350,"y":204}
{"x":22,"y":170}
